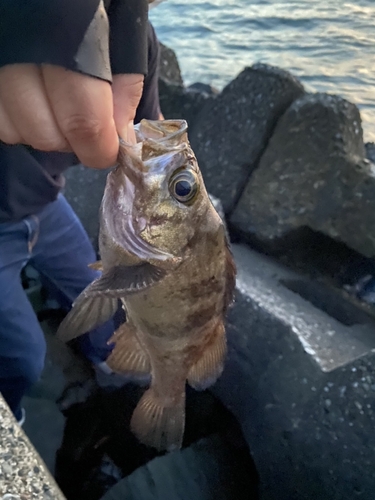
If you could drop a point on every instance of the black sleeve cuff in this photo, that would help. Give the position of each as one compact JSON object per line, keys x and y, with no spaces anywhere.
{"x":55,"y":32}
{"x":128,"y":36}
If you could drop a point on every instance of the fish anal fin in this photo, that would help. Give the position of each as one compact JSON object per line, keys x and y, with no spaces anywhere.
{"x":128,"y":357}
{"x":209,"y":366}
{"x":87,"y":313}
{"x":121,"y":280}
{"x":97,"y":266}
{"x":158,"y":424}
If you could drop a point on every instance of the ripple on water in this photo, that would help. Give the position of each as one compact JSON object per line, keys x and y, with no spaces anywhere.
{"x":331,"y":48}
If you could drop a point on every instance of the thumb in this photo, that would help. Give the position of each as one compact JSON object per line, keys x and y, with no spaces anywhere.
{"x":127,"y":92}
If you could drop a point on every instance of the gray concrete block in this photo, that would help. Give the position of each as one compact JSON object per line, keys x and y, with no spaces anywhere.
{"x":84,"y":191}
{"x":301,"y":384}
{"x":23,"y":474}
{"x":169,"y":69}
{"x":313,"y":174}
{"x":178,"y":101}
{"x":210,"y":469}
{"x":231,"y":132}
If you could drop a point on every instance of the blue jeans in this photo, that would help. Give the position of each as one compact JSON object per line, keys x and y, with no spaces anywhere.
{"x":57,"y":246}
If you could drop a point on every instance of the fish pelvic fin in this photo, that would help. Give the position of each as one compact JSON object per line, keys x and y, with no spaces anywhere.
{"x":159,"y":423}
{"x":210,"y":365}
{"x":87,"y":313}
{"x":128,"y":357}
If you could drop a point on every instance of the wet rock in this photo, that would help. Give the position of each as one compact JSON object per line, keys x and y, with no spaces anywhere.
{"x":44,"y":425}
{"x":370,"y":151}
{"x":204,"y":87}
{"x":177,"y":101}
{"x":218,"y":206}
{"x":84,"y":191}
{"x":300,"y":379}
{"x":231,"y":132}
{"x":313,"y":174}
{"x":211,"y":468}
{"x":169,"y":69}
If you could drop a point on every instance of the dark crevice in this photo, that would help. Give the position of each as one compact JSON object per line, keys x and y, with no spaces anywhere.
{"x":331,"y":272}
{"x":330,"y":301}
{"x":98,"y":449}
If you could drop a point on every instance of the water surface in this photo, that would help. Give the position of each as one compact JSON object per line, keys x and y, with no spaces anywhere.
{"x":330,"y":46}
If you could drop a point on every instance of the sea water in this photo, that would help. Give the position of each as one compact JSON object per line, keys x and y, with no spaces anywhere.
{"x":328,"y":45}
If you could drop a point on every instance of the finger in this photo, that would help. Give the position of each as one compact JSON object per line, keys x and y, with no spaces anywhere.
{"x":8,"y":132}
{"x":127,"y":92}
{"x":24,"y":100}
{"x":83,"y":107}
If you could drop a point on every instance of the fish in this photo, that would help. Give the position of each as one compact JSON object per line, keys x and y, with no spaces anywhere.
{"x":166,"y":257}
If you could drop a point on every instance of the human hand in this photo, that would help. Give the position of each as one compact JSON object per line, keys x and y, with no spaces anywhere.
{"x":54,"y":109}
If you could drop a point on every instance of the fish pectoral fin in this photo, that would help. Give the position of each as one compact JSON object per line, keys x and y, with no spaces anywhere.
{"x":122,"y":280}
{"x":97,"y":266}
{"x":210,"y":365}
{"x":157,"y":425}
{"x":87,"y":313}
{"x":128,"y":357}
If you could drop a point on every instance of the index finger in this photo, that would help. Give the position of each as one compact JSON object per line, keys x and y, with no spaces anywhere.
{"x":83,"y":108}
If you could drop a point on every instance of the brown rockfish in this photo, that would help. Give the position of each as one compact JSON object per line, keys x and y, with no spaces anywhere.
{"x":165,"y":254}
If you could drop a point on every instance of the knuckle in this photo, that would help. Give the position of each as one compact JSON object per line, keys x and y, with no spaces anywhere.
{"x":48,"y":143}
{"x":81,"y":127}
{"x":10,"y":136}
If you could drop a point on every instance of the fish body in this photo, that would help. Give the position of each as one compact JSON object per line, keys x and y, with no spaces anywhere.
{"x":165,"y":255}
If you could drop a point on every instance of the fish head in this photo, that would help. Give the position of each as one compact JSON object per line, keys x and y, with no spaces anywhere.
{"x":158,"y":193}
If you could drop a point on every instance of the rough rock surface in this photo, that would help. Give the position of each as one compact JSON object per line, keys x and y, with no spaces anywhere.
{"x":84,"y":190}
{"x":178,"y":101}
{"x":301,"y":384}
{"x":231,"y":132}
{"x":23,"y":475}
{"x":370,"y":151}
{"x":169,"y":68}
{"x":313,"y":174}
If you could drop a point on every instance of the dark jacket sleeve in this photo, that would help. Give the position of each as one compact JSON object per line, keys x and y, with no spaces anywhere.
{"x":128,"y":21}
{"x":75,"y":34}
{"x":149,"y":106}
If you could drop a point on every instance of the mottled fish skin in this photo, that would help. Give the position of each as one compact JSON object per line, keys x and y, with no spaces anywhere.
{"x":165,"y":255}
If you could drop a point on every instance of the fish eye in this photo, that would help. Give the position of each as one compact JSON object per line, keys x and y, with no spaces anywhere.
{"x":183,"y":185}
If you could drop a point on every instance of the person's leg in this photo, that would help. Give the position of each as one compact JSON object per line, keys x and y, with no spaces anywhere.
{"x":22,"y":344}
{"x":63,"y":253}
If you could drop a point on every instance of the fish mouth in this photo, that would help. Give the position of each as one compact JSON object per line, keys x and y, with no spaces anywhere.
{"x":160,"y":137}
{"x":162,"y":131}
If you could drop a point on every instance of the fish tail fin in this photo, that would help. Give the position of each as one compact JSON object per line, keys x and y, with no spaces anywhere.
{"x":158,"y":423}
